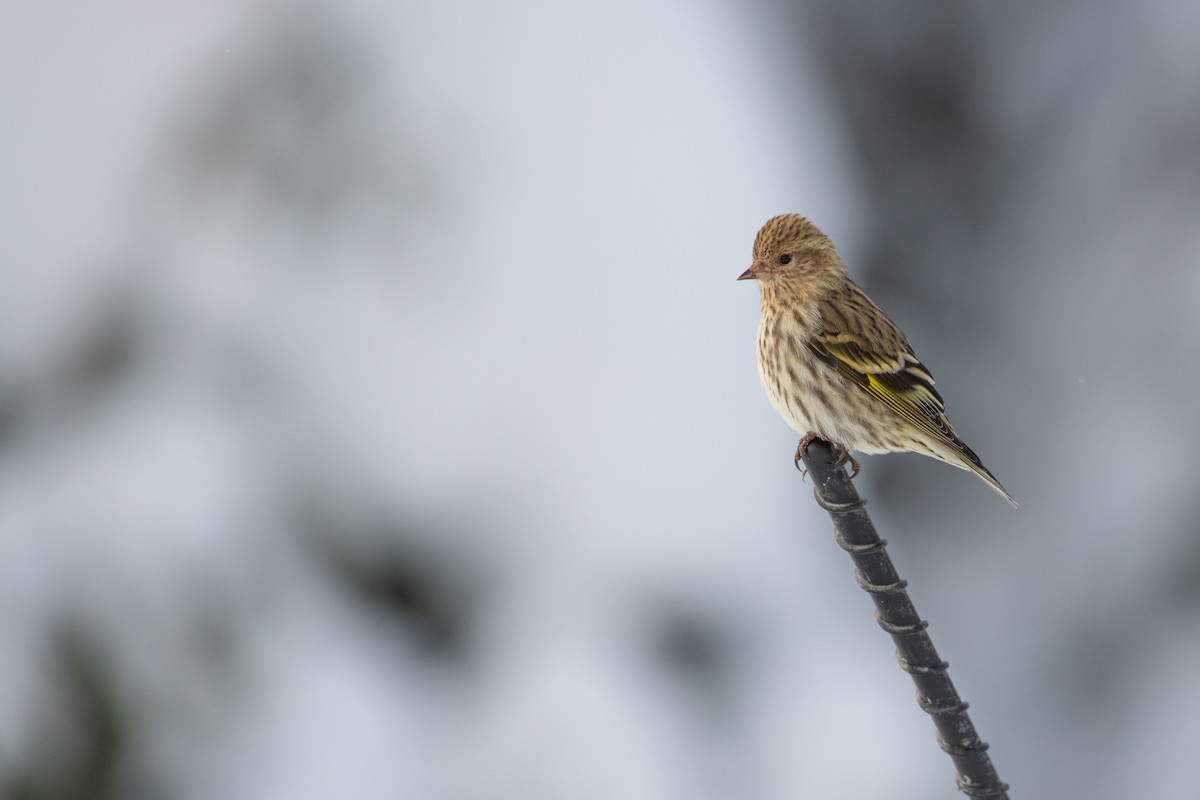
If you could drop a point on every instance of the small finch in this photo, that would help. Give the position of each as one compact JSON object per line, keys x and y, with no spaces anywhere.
{"x":832,"y":363}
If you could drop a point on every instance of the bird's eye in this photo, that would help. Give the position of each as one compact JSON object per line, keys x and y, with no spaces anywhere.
{"x":785,"y":259}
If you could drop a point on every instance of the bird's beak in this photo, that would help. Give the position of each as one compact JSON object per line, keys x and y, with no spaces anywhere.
{"x":752,"y":273}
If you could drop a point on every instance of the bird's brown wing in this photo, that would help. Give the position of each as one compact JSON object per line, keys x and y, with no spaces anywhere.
{"x":868,"y":349}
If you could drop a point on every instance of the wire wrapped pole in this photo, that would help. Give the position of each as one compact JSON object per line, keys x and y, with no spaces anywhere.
{"x":895,"y":613}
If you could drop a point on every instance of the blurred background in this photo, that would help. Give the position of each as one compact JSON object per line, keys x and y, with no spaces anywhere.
{"x":379,"y":416}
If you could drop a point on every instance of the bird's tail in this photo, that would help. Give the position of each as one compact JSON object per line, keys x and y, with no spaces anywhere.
{"x":987,"y":477}
{"x":964,"y":457}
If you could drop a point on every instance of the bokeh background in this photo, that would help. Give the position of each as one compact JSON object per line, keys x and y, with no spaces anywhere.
{"x":379,"y":418}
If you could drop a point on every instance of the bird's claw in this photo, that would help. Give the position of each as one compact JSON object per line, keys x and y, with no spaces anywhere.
{"x":844,"y":458}
{"x":801,"y":449}
{"x":842,"y":454}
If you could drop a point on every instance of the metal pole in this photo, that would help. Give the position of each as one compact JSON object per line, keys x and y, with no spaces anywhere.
{"x":895,"y":613}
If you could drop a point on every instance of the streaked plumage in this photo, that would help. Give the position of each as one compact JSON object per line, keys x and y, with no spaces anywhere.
{"x":832,"y":363}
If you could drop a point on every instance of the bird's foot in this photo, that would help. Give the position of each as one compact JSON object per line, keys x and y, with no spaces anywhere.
{"x":801,"y":448}
{"x":842,"y":454}
{"x":844,"y":457}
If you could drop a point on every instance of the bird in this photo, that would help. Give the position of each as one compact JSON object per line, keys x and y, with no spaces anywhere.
{"x":834,"y":366}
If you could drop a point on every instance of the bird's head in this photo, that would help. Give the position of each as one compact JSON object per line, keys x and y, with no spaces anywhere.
{"x":792,"y":250}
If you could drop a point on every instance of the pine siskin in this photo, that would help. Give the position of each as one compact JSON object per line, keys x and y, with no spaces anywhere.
{"x":832,"y":363}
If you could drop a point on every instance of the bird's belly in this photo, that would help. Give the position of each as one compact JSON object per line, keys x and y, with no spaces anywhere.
{"x":812,"y":397}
